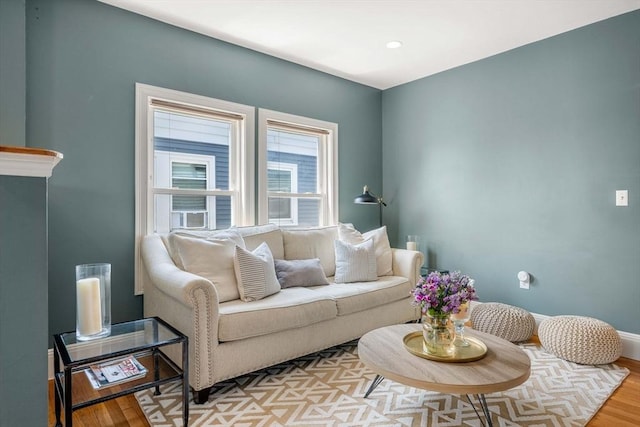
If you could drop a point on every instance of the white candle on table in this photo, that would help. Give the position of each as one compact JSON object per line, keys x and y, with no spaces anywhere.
{"x":412,"y":246}
{"x":89,"y":306}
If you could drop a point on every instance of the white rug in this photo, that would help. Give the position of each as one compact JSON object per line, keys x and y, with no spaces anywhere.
{"x":327,"y":389}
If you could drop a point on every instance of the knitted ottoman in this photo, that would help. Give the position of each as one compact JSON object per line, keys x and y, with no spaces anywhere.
{"x":580,"y":339}
{"x":511,"y":323}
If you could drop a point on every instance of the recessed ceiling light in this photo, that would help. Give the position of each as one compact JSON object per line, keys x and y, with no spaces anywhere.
{"x":394,"y":44}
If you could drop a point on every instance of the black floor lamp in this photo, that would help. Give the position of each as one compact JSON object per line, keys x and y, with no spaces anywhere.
{"x":366,"y":198}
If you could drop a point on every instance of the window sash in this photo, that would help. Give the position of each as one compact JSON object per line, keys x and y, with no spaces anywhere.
{"x":327,"y":163}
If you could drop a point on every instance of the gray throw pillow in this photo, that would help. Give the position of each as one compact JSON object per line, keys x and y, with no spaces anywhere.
{"x":300,"y":272}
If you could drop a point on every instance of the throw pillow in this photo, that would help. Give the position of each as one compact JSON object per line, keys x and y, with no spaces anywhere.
{"x":255,"y":273}
{"x":314,"y":242}
{"x":272,"y":238}
{"x":228,"y":234}
{"x":355,"y":263}
{"x":211,"y":259}
{"x":300,"y":272}
{"x":348,"y":233}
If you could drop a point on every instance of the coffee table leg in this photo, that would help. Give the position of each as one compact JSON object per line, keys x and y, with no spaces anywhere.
{"x":376,"y":382}
{"x":484,"y":407}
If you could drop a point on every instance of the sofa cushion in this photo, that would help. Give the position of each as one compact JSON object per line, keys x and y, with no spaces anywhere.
{"x":255,"y":273}
{"x":288,"y":309}
{"x":348,"y":233}
{"x":211,"y":259}
{"x":360,"y":296}
{"x":300,"y":272}
{"x":272,"y":238}
{"x":355,"y":263}
{"x":307,"y":243}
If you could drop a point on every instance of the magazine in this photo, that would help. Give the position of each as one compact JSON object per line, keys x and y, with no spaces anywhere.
{"x":115,"y":372}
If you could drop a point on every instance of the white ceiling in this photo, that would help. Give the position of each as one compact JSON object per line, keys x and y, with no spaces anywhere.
{"x":347,"y":38}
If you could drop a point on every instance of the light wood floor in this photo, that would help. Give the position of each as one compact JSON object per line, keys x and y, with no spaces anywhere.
{"x":621,"y":410}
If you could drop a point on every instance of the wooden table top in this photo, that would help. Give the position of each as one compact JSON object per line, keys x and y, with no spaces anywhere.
{"x":504,"y":366}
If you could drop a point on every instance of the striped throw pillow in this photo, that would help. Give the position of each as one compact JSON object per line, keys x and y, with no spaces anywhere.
{"x":355,"y":263}
{"x":255,"y":273}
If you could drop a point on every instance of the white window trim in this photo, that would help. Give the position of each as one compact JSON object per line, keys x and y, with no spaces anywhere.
{"x":293,"y":169}
{"x":327,"y":176}
{"x":244,"y":205}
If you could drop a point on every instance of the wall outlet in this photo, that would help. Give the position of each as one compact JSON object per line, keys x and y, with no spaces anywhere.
{"x":622,"y":197}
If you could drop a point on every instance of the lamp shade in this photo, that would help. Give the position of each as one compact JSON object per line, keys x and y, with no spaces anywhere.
{"x":366,"y":198}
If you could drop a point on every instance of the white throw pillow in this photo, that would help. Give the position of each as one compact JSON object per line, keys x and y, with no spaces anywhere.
{"x":229,"y":234}
{"x":355,"y":263}
{"x":272,"y":238}
{"x":308,"y":243}
{"x":348,"y":233}
{"x":255,"y":273}
{"x":211,"y":259}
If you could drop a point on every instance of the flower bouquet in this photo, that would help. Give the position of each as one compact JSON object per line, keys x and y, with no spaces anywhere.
{"x":439,"y":295}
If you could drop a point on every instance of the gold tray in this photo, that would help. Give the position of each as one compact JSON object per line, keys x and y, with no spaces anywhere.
{"x":414,"y":343}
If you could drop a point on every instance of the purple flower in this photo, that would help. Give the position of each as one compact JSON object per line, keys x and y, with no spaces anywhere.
{"x":441,"y":294}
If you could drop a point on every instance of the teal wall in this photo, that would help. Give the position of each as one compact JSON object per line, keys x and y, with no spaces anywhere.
{"x":12,"y":72}
{"x":83,"y":60}
{"x":511,"y":163}
{"x":23,"y":301}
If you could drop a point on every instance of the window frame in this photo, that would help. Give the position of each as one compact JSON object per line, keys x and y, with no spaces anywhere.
{"x":327,"y":164}
{"x":241,"y":160}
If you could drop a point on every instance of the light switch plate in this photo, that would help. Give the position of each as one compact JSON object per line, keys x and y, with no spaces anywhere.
{"x":622,"y":198}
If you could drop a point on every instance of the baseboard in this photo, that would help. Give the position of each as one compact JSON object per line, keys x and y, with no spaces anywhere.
{"x":630,"y":342}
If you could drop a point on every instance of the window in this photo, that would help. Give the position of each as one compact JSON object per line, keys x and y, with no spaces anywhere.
{"x":298,"y":170}
{"x":194,"y":164}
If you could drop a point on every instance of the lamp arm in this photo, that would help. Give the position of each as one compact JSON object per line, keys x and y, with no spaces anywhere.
{"x":378,"y":198}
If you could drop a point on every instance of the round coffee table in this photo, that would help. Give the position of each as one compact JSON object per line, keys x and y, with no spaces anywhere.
{"x":503,"y":367}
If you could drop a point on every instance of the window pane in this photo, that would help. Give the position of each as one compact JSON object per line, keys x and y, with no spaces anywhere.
{"x":279,"y":180}
{"x":189,"y":203}
{"x":280,"y":208}
{"x":308,"y":212}
{"x":175,"y":212}
{"x":191,"y":135}
{"x":297,"y":149}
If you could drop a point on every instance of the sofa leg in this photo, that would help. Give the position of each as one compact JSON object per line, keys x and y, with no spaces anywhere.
{"x":201,"y":397}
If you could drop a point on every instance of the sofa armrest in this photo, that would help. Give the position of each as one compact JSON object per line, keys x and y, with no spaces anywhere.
{"x":185,"y":300}
{"x":407,"y":264}
{"x":181,"y":285}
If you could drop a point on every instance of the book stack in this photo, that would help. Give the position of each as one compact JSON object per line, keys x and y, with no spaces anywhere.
{"x":115,"y":372}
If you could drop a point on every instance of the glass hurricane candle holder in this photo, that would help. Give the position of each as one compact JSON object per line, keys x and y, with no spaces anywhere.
{"x":413,"y":243}
{"x":93,"y":301}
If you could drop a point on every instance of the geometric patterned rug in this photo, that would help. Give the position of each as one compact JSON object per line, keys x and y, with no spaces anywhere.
{"x":327,"y":389}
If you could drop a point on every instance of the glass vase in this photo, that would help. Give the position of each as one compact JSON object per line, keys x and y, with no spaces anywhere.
{"x":459,"y":319}
{"x":93,"y":301}
{"x":438,"y":335}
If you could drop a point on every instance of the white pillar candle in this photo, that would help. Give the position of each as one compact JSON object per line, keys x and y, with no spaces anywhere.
{"x":89,"y":306}
{"x":412,"y":246}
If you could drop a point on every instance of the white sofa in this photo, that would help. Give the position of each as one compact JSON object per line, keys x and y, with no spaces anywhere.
{"x":229,"y":337}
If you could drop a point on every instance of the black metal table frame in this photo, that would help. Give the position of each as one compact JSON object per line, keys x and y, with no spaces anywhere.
{"x":480,"y":397}
{"x":63,"y":378}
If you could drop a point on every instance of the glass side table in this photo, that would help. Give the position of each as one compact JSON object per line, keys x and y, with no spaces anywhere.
{"x":144,"y":339}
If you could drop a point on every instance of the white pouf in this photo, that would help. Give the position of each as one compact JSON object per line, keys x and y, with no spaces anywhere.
{"x":511,"y":323}
{"x":580,"y":339}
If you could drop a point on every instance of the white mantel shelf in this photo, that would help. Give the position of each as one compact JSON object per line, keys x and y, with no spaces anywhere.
{"x":26,"y":161}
